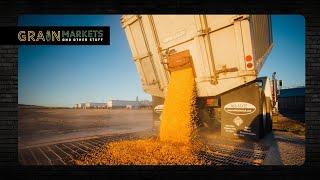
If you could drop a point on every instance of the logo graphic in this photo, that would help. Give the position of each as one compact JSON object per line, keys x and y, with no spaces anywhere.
{"x":238,"y":121}
{"x":239,"y":108}
{"x":56,"y":35}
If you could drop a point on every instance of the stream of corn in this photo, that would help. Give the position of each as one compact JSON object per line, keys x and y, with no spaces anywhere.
{"x":177,"y":118}
{"x":175,"y":144}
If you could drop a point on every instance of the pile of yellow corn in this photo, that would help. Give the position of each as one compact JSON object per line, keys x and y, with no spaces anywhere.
{"x":177,"y":128}
{"x":144,"y":152}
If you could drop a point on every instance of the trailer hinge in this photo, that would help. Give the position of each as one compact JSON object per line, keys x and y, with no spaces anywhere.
{"x":225,"y":70}
{"x":214,"y":80}
{"x":204,"y":32}
{"x":154,"y":82}
{"x":240,"y":17}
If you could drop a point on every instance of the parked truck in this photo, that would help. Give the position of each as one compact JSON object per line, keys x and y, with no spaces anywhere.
{"x":226,"y":53}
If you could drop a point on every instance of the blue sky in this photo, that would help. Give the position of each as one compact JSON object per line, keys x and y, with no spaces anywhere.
{"x":287,"y":57}
{"x":65,"y":75}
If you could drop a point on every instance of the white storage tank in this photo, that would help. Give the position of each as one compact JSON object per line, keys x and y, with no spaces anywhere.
{"x":122,"y":103}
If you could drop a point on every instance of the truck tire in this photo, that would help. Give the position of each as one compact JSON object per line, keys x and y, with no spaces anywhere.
{"x":263,"y":117}
{"x":206,"y":122}
{"x":209,"y":117}
{"x":156,"y":116}
{"x":266,"y":116}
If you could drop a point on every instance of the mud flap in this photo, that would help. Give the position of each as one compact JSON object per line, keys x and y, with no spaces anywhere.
{"x":269,"y":115}
{"x":241,"y":112}
{"x":263,"y":116}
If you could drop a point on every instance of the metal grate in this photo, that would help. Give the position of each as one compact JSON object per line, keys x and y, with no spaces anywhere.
{"x":220,"y":151}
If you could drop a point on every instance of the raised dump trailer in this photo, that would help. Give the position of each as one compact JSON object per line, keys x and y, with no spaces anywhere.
{"x":226,"y":53}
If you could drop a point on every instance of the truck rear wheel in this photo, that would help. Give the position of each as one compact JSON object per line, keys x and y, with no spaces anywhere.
{"x":266,"y":116}
{"x":206,"y":120}
{"x":209,"y":116}
{"x":156,"y":116}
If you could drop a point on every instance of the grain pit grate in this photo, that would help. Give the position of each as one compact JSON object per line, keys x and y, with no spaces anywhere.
{"x":218,"y":152}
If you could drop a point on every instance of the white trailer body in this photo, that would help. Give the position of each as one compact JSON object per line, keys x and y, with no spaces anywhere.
{"x":226,"y":53}
{"x":227,"y":50}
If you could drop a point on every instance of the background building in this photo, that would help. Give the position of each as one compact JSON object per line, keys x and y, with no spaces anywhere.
{"x":79,"y":105}
{"x":90,"y":105}
{"x":292,"y":101}
{"x":113,"y":104}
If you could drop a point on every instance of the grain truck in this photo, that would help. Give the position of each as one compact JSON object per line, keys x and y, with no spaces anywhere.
{"x":226,"y":53}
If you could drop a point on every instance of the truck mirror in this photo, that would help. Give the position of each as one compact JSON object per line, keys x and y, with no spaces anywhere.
{"x":280,"y":82}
